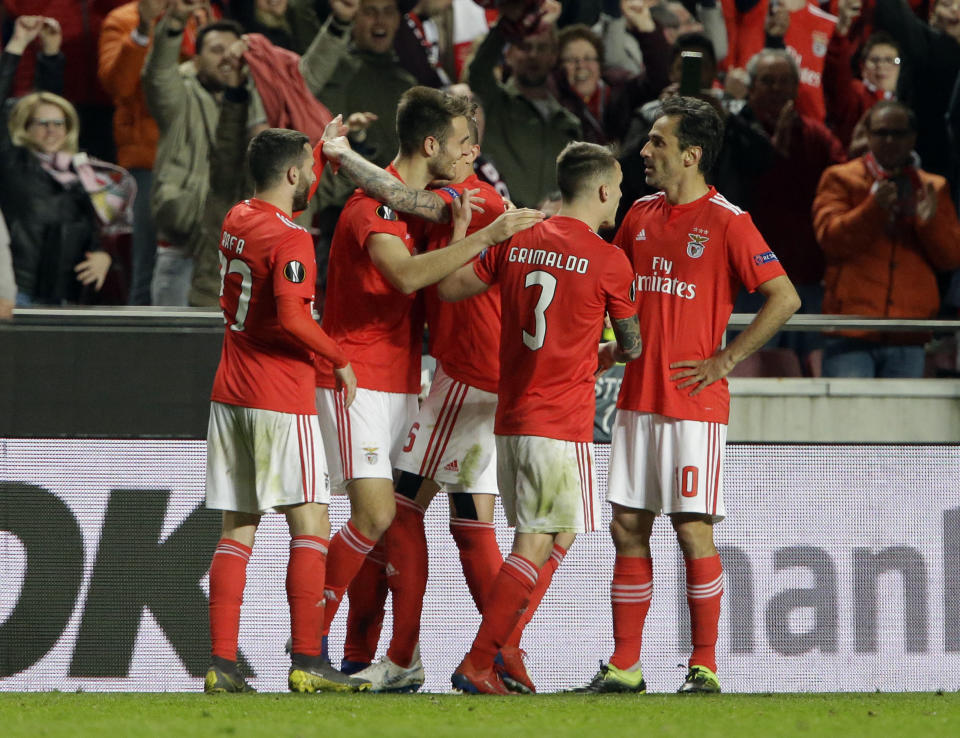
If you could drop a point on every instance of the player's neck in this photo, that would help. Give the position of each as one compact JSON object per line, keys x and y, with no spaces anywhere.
{"x":687,"y":190}
{"x":413,"y":171}
{"x":585,"y":212}
{"x":279,"y":199}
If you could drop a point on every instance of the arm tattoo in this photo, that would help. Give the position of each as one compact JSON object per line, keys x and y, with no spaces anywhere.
{"x":629,"y":343}
{"x":384,"y":187}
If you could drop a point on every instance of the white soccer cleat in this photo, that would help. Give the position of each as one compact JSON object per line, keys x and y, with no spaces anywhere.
{"x":386,"y":676}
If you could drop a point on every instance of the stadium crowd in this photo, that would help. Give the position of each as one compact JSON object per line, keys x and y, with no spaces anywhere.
{"x":126,"y":125}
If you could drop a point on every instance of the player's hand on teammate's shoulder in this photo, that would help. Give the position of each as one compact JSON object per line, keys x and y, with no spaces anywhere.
{"x":513,"y":221}
{"x":461,"y":213}
{"x":346,"y":381}
{"x":701,"y":373}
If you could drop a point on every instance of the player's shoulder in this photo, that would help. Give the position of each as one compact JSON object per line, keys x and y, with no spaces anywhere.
{"x":649,"y":201}
{"x":722,"y":208}
{"x":821,"y":16}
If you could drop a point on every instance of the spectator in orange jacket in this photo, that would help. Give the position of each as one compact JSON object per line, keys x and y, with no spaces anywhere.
{"x":885,"y":227}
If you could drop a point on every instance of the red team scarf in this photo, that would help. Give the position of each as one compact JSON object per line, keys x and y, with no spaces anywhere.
{"x":907,"y":179}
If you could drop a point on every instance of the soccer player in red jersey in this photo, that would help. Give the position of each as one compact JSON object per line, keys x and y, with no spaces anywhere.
{"x":263,"y":442}
{"x":557,"y":281}
{"x":690,"y":250}
{"x":372,"y":310}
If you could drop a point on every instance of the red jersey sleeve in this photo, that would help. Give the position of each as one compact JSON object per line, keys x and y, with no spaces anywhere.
{"x":374,"y":217}
{"x":488,"y":265}
{"x":295,"y":267}
{"x":751,"y":259}
{"x":619,"y":286}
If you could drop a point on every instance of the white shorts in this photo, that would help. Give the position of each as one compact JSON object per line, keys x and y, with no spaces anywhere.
{"x":666,"y":465}
{"x":363,"y":441}
{"x":451,"y":441}
{"x":546,"y":485}
{"x":260,"y":460}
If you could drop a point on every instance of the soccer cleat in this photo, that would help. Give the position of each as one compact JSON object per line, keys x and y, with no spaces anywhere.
{"x":475,"y":681}
{"x":700,"y":680}
{"x":611,"y":680}
{"x":386,"y":676}
{"x":322,"y":677}
{"x":219,"y":680}
{"x":510,"y":665}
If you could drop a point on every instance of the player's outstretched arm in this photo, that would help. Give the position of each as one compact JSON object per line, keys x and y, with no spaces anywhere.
{"x":782,"y":301}
{"x":460,"y":285}
{"x":410,"y":273}
{"x":627,"y":347}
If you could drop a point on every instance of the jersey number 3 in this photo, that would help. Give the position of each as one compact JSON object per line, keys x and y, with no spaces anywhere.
{"x":236,"y":266}
{"x":548,"y":288}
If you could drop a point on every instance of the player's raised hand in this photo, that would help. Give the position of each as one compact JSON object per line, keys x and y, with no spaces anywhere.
{"x":513,"y":221}
{"x":461,"y":214}
{"x":334,"y":129}
{"x":346,"y":381}
{"x":701,"y":373}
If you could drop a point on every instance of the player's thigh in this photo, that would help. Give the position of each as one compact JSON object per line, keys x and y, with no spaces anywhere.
{"x":451,"y":440}
{"x":547,"y":485}
{"x":231,"y":478}
{"x":634,"y":479}
{"x":692,"y":456}
{"x":372,"y":505}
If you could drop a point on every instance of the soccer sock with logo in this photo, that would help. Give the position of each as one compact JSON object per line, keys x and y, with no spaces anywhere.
{"x":480,"y":556}
{"x":306,"y":570}
{"x":405,"y":544}
{"x":704,"y":590}
{"x":348,"y":550}
{"x":228,"y":576}
{"x":368,"y":594}
{"x":543,"y":583}
{"x":508,"y":599}
{"x":630,"y":594}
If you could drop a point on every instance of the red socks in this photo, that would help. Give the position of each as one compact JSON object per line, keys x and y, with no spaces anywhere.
{"x":305,"y":574}
{"x":543,"y":583}
{"x":509,"y":597}
{"x":228,"y":576}
{"x":704,"y":589}
{"x":405,"y":543}
{"x":367,"y":593}
{"x":630,"y":594}
{"x":480,"y":556}
{"x":348,"y":550}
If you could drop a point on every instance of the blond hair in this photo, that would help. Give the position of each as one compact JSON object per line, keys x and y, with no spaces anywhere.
{"x":22,"y":114}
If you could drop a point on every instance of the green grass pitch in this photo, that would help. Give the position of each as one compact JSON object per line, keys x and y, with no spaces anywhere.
{"x":433,"y":716}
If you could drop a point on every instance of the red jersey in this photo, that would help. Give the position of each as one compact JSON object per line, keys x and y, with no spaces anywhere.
{"x":465,"y":335}
{"x":806,"y":39}
{"x":556,"y":280}
{"x":690,"y":261}
{"x":263,"y":255}
{"x":378,"y":327}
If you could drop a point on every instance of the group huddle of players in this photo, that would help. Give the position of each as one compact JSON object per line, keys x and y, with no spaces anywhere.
{"x":515,"y":307}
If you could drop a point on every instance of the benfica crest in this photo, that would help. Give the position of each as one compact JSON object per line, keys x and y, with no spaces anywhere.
{"x":820,"y":41}
{"x":371,"y":454}
{"x":695,"y":245}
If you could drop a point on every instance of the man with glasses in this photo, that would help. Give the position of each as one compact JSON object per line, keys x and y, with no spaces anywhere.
{"x":885,"y":227}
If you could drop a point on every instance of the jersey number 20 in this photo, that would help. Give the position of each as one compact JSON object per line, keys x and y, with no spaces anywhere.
{"x":548,"y":288}
{"x":237,"y":266}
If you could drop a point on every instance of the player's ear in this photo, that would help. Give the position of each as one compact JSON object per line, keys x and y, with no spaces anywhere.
{"x":604,"y":193}
{"x":293,"y":175}
{"x":692,"y":155}
{"x":430,"y":146}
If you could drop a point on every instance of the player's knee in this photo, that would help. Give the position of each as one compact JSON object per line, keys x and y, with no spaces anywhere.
{"x":695,"y":537}
{"x":374,"y":523}
{"x":629,"y":540}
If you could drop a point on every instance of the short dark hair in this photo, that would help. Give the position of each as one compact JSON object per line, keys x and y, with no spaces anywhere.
{"x":880,"y":38}
{"x":423,"y":112}
{"x":272,"y":152}
{"x":579,"y":163}
{"x":581,"y":32}
{"x":698,"y":124}
{"x":892,"y":105}
{"x":229,"y":26}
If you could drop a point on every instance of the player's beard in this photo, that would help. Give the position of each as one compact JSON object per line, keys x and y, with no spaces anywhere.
{"x":301,"y":197}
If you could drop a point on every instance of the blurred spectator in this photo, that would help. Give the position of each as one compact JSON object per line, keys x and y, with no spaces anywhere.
{"x":931,"y":56}
{"x":633,"y":42}
{"x":804,"y":30}
{"x":526,"y":127}
{"x":688,"y":17}
{"x":436,"y":37}
{"x":81,"y":23}
{"x":185,"y":101}
{"x":8,"y":285}
{"x":848,"y":98}
{"x":275,"y":19}
{"x":55,"y":200}
{"x":885,"y":226}
{"x":745,"y":21}
{"x":123,"y":48}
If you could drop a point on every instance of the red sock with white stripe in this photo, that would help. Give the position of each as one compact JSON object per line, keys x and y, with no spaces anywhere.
{"x":348,"y":549}
{"x":480,"y":556}
{"x":508,"y":599}
{"x":704,"y":589}
{"x":368,"y":594}
{"x":306,"y":570}
{"x":543,"y":583}
{"x":228,"y":577}
{"x":630,"y":594}
{"x":405,"y":544}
